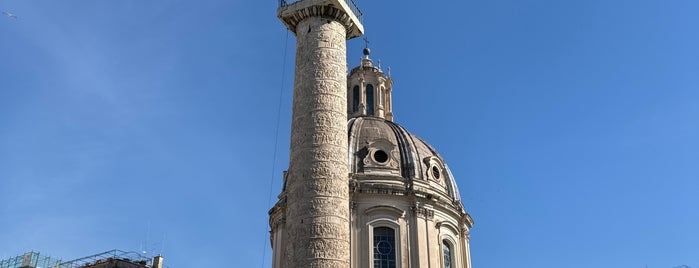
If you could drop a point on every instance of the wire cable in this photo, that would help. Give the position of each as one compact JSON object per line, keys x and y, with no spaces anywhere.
{"x":276,"y":141}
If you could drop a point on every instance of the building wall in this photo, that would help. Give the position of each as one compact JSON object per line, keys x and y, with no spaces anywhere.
{"x":420,"y":228}
{"x":115,"y":263}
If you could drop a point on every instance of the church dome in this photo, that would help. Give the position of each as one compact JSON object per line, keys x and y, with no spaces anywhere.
{"x":404,"y":205}
{"x":384,"y":152}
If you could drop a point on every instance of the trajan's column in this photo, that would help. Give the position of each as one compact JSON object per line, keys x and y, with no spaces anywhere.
{"x":317,"y":204}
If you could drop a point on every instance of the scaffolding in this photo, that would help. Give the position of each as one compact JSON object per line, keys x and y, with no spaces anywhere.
{"x":30,"y":260}
{"x":36,"y":260}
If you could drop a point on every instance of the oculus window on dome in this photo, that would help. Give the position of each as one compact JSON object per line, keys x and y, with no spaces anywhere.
{"x":380,"y":156}
{"x":436,"y":172}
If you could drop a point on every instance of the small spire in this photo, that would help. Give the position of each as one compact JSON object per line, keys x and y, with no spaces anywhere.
{"x":366,"y":50}
{"x":366,"y":61}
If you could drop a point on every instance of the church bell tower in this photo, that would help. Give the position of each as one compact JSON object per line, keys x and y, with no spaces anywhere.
{"x":316,"y":215}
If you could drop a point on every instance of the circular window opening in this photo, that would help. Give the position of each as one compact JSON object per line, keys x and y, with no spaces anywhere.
{"x":435,"y":172}
{"x":380,"y":156}
{"x":384,"y":247}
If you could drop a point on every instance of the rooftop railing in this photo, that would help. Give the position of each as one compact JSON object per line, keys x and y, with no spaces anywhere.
{"x":350,"y":3}
{"x":129,"y":256}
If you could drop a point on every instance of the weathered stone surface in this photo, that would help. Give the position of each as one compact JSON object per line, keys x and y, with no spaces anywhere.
{"x":393,"y":182}
{"x":317,"y":219}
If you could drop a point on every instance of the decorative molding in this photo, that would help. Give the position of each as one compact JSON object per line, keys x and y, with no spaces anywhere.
{"x":381,"y":209}
{"x":422,"y":212}
{"x":434,"y":163}
{"x":388,"y":167}
{"x":448,"y":225}
{"x":382,"y":188}
{"x":468,"y":221}
{"x":292,"y":15}
{"x":466,"y":233}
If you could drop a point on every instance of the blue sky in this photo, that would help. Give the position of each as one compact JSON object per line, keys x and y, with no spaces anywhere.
{"x":572,"y":126}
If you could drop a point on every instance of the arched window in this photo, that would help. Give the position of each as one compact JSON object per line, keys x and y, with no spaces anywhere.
{"x":384,"y":247}
{"x":355,"y":99}
{"x":369,"y":99}
{"x":446,"y":249}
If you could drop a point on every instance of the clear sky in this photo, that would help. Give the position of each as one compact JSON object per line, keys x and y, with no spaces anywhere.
{"x":572,"y":127}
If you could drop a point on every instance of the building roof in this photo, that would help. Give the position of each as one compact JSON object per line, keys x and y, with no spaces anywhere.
{"x":383,"y":150}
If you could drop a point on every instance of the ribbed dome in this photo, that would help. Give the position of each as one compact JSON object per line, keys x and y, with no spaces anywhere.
{"x":384,"y":152}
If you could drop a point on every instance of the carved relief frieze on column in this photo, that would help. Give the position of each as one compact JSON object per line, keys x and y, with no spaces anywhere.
{"x":317,"y":190}
{"x":317,"y":193}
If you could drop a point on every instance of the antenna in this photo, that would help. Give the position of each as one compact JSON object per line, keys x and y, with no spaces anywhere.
{"x":144,"y":249}
{"x":162,"y":245}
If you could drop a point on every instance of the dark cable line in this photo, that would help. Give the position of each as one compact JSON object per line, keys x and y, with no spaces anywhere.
{"x":276,"y":141}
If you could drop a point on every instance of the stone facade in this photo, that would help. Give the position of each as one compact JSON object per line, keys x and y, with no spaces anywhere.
{"x":400,"y":182}
{"x":316,"y":198}
{"x":361,"y":191}
{"x":357,"y":98}
{"x":397,"y":181}
{"x":417,"y":198}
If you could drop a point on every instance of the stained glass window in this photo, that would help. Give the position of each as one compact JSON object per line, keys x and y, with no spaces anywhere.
{"x":384,"y":247}
{"x":446,"y":248}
